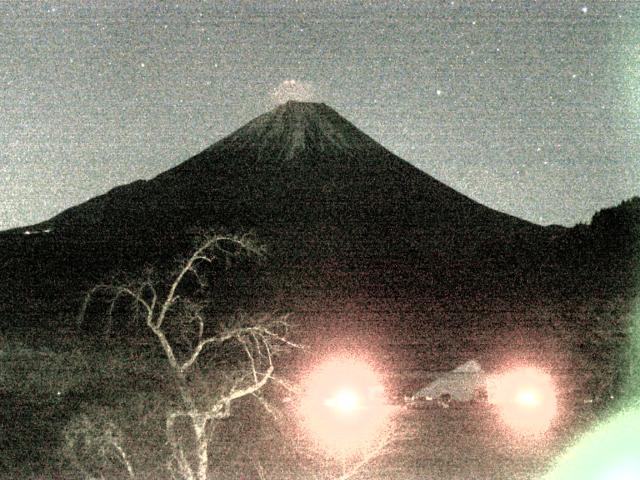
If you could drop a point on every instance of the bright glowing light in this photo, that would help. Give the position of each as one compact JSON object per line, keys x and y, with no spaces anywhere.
{"x":345,"y":401}
{"x":610,"y":452}
{"x":626,"y":470}
{"x":526,"y":399}
{"x":343,"y":407}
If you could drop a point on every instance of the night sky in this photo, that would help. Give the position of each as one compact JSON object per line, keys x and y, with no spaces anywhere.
{"x":531,"y":108}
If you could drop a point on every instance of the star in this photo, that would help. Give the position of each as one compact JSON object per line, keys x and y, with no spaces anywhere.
{"x":237,"y":61}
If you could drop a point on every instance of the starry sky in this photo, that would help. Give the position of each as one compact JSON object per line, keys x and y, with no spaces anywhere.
{"x":531,"y":108}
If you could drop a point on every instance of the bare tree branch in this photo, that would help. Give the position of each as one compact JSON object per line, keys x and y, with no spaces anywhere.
{"x":250,"y":356}
{"x":164,"y":310}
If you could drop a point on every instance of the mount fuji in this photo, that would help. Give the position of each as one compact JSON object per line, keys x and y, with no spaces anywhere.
{"x":337,"y":212}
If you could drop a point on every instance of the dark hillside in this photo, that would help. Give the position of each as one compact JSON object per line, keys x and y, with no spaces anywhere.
{"x":340,"y":216}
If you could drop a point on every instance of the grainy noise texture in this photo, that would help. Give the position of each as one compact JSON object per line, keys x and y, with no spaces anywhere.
{"x":530,"y":108}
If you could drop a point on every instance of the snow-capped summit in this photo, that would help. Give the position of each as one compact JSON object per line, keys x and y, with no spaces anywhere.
{"x":295,"y":126}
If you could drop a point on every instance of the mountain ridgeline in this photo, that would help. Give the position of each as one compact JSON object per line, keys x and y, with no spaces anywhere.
{"x":340,"y":215}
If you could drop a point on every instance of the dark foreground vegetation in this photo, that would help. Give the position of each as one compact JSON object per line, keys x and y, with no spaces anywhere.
{"x":165,"y":389}
{"x":54,"y":397}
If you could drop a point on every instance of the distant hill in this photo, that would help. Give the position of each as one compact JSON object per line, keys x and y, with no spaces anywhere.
{"x":605,"y":255}
{"x":342,"y":218}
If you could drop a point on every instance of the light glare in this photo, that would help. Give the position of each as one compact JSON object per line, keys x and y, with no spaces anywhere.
{"x":343,"y":407}
{"x":526,"y":399}
{"x":611,"y":451}
{"x":345,"y":401}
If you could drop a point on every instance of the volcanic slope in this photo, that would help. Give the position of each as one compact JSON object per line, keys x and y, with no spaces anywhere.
{"x":328,"y":201}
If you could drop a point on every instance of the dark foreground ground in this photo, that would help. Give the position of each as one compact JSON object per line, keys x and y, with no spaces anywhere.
{"x":42,"y":393}
{"x":457,"y":444}
{"x":453,"y":444}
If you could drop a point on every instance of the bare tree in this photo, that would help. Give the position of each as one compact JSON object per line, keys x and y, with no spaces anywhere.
{"x":95,"y":441}
{"x":322,"y":465}
{"x":355,"y":467}
{"x":359,"y":465}
{"x":175,"y":312}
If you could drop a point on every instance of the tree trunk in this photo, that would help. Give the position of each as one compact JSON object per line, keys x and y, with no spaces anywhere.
{"x":202,"y":443}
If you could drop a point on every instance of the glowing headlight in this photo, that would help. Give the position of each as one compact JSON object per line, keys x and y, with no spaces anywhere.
{"x":345,"y":401}
{"x":526,"y":398}
{"x":343,"y":406}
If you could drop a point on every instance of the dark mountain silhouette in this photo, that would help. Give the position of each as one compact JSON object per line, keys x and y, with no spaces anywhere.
{"x":605,"y":255}
{"x":338,"y":212}
{"x":300,"y":167}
